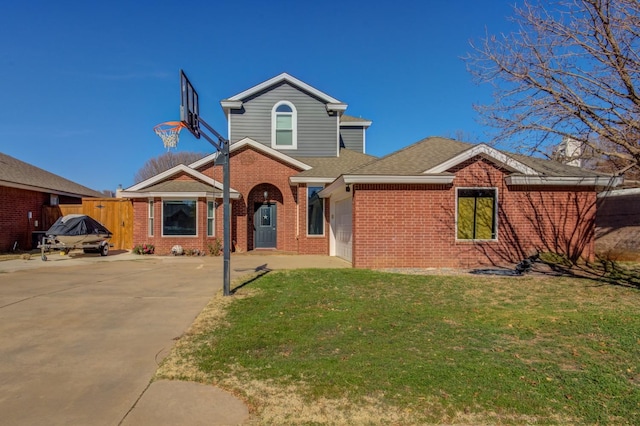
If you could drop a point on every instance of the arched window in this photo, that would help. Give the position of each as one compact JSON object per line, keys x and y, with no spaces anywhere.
{"x":284,"y":126}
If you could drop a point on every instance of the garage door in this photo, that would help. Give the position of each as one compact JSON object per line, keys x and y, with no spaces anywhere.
{"x":343,"y":229}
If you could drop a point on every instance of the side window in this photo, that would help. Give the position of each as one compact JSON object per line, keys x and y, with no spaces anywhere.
{"x":315,"y":211}
{"x":476,"y":214}
{"x":151,"y":217}
{"x":284,"y":126}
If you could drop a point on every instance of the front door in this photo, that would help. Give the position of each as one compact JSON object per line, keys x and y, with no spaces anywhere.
{"x":264,"y":220}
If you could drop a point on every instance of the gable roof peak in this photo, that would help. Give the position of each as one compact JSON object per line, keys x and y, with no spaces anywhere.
{"x":235,"y":101}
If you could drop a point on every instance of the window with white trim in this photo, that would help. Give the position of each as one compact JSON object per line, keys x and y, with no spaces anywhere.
{"x":315,"y":211}
{"x":151,"y":214}
{"x":179,"y":217}
{"x":476,"y":214}
{"x":284,"y":126}
{"x":211,"y":212}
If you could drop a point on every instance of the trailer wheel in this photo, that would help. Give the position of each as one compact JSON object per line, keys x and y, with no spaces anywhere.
{"x":104,"y":250}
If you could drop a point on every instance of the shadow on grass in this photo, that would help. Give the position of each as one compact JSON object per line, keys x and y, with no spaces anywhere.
{"x":257,"y":272}
{"x":603,"y":271}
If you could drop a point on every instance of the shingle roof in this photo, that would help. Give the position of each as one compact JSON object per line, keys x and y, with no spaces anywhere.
{"x":349,"y":118}
{"x":14,"y":171}
{"x":332,"y":167}
{"x":433,"y":151}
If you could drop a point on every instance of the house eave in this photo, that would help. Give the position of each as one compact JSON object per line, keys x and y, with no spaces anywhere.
{"x":160,"y":194}
{"x":487,"y":152}
{"x":336,"y":106}
{"x":344,"y":180}
{"x":363,"y":123}
{"x":596,"y":181}
{"x":43,"y":189}
{"x":294,"y":180}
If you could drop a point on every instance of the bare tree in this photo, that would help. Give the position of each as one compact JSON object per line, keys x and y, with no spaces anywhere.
{"x":164,"y":162}
{"x":570,"y":70}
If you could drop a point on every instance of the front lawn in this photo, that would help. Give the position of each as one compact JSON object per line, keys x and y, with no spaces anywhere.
{"x":363,"y":347}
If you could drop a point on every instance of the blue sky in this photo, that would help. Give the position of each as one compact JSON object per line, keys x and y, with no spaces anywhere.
{"x":83,"y":82}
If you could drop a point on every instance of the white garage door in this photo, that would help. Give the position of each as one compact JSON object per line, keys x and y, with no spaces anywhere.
{"x":343,"y":229}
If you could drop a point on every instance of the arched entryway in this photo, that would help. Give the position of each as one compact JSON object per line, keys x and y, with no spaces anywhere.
{"x":263,"y":204}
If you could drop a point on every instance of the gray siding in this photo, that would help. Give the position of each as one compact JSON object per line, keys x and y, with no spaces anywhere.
{"x":352,"y":138}
{"x":316,"y":128}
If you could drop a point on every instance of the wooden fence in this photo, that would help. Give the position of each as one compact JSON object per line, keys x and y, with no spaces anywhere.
{"x":116,"y":214}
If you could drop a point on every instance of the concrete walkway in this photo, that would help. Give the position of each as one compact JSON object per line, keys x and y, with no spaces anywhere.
{"x":82,"y":335}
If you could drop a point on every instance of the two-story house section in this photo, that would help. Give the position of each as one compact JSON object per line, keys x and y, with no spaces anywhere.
{"x":302,"y":183}
{"x":288,"y":141}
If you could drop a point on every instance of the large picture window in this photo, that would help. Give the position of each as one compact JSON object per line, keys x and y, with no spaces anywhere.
{"x":315,"y":211}
{"x":179,"y":217}
{"x":477,"y":209}
{"x":284,"y":128}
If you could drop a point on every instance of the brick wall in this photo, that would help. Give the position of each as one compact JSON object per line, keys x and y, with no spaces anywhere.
{"x":14,"y":222}
{"x":252,"y":173}
{"x":163,"y":244}
{"x":414,"y":225}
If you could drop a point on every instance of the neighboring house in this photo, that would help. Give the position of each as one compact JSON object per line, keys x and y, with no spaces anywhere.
{"x":25,"y":192}
{"x":302,"y":183}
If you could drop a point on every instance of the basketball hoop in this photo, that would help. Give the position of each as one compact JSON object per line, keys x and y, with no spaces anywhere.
{"x":169,"y":132}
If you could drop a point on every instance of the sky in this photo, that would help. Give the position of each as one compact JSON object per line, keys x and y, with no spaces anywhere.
{"x":82,"y":83}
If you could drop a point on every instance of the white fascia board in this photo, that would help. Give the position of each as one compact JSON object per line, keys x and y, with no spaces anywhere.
{"x":564,"y":180}
{"x":269,"y":151}
{"x":363,"y":123}
{"x":128,"y":194}
{"x":619,"y":192}
{"x":227,"y":104}
{"x":486,"y":150}
{"x":421,"y":179}
{"x":206,"y":160}
{"x":172,"y":171}
{"x":336,"y":106}
{"x":288,"y":78}
{"x":343,"y":180}
{"x":294,"y":180}
{"x":337,"y":185}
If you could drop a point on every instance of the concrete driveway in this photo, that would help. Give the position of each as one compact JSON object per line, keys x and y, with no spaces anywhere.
{"x":80,"y":339}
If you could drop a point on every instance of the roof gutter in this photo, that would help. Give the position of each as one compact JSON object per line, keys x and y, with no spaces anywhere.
{"x":151,"y":194}
{"x":385,"y":179}
{"x":600,"y":181}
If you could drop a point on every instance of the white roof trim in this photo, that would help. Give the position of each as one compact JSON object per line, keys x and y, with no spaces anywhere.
{"x":333,"y":106}
{"x":309,"y":179}
{"x":269,"y":151}
{"x":172,"y":171}
{"x":289,"y":79}
{"x":486,"y":150}
{"x":206,"y":160}
{"x":227,"y":104}
{"x":128,"y":194}
{"x":564,"y":180}
{"x":362,"y":123}
{"x":619,"y":192}
{"x":437,"y":179}
{"x":385,"y":179}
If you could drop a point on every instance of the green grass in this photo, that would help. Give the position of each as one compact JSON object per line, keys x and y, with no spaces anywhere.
{"x":502,"y":350}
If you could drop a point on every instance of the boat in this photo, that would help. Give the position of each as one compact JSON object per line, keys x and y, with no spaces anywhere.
{"x":77,"y":231}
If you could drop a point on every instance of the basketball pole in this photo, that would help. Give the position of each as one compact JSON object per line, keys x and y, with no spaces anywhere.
{"x":222,"y":146}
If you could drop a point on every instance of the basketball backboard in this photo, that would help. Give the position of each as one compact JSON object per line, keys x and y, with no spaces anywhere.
{"x":189,"y":107}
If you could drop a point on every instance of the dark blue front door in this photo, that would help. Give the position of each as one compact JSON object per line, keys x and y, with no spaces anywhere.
{"x":264,"y":220}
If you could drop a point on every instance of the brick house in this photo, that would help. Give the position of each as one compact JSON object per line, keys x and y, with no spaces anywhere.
{"x":25,"y":192}
{"x":301,"y":182}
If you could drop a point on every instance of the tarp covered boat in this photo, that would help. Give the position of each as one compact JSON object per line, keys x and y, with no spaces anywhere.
{"x":76,"y":231}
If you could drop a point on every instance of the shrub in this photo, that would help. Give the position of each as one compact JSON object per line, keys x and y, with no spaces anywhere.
{"x":215,"y":249}
{"x":144,"y":249}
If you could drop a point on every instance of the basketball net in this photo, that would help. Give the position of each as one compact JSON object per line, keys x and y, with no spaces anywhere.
{"x":169,"y":132}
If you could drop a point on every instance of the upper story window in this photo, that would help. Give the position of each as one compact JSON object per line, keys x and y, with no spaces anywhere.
{"x":284,"y":126}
